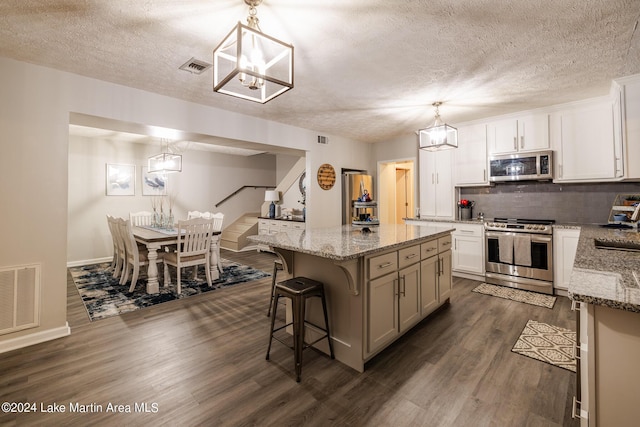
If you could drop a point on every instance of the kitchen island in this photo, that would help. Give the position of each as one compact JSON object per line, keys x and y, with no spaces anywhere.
{"x":378,"y":284}
{"x":605,"y":283}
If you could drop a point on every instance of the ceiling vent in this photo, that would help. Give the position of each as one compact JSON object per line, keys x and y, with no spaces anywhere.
{"x":195,"y":66}
{"x":323,"y":139}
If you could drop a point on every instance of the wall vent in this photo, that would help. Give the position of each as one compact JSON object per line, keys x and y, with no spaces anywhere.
{"x":323,"y":139}
{"x":19,"y":298}
{"x":195,"y":66}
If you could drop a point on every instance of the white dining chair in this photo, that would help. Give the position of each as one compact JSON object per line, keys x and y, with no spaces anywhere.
{"x":194,"y":214}
{"x":142,"y":218}
{"x":136,"y":256}
{"x":118,"y":247}
{"x":193,"y":249}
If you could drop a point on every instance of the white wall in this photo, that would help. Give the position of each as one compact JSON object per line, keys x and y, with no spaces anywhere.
{"x":35,"y":109}
{"x":202,"y":183}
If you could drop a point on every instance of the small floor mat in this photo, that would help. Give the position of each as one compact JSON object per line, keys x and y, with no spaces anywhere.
{"x":533,"y":298}
{"x":547,"y":343}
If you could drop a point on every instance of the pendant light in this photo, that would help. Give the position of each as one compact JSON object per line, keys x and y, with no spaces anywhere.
{"x":251,"y":65}
{"x":165,"y":162}
{"x":439,"y":136}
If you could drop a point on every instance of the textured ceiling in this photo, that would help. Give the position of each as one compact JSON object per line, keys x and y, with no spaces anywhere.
{"x":368,"y":70}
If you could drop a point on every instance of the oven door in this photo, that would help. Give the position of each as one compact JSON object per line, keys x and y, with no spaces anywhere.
{"x":541,"y":267}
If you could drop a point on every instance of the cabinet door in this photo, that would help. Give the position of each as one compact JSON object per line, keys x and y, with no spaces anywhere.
{"x":444,"y":279}
{"x":565,"y":244}
{"x":631,"y":126}
{"x":471,"y":155}
{"x":467,"y":253}
{"x":436,"y":184}
{"x":502,"y":136}
{"x":584,"y":142}
{"x":409,"y":296}
{"x":382,"y":311}
{"x":533,"y":132}
{"x":429,"y":284}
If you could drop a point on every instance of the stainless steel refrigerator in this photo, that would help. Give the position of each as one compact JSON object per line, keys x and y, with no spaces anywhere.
{"x":353,"y":186}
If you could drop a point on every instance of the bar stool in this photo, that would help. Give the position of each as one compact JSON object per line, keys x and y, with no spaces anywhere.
{"x":277,"y":266}
{"x":298,"y":290}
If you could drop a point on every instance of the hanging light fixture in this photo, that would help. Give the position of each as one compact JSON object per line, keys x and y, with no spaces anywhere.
{"x":165,"y":162}
{"x":439,"y":136}
{"x":251,"y":65}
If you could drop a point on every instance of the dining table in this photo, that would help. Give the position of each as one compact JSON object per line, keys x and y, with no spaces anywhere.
{"x":155,"y":238}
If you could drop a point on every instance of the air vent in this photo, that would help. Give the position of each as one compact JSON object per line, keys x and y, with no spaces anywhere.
{"x":195,"y":66}
{"x":323,"y":139}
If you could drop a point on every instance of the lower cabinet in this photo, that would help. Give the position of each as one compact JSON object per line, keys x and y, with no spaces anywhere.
{"x":468,"y":249}
{"x":403,"y":287}
{"x":565,"y":244}
{"x":608,"y":378}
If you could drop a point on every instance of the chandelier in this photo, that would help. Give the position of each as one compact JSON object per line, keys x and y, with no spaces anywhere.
{"x":251,"y":65}
{"x":165,"y":162}
{"x":439,"y":136}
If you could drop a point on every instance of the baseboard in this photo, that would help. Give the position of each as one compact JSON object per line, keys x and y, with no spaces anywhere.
{"x":89,"y":261}
{"x":477,"y":277}
{"x":35,"y":338}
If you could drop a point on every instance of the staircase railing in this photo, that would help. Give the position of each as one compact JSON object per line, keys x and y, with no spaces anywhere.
{"x":255,"y":187}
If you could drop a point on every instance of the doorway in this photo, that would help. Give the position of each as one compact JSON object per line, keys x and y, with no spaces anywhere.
{"x":397,"y":190}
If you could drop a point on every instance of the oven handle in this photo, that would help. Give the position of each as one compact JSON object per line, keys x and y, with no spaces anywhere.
{"x":539,"y":238}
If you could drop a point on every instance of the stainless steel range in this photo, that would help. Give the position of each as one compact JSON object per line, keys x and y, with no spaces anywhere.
{"x":520,"y":253}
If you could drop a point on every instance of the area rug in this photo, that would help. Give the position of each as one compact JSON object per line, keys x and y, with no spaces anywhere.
{"x":548,"y":343}
{"x":533,"y":298}
{"x":103,"y":297}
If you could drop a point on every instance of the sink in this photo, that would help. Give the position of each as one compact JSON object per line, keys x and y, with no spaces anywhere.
{"x":617,"y":245}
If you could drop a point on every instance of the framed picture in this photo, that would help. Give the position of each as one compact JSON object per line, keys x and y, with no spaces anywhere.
{"x":121,"y":180}
{"x":153,"y":184}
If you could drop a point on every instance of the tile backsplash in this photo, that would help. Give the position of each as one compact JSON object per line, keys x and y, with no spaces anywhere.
{"x":565,"y":203}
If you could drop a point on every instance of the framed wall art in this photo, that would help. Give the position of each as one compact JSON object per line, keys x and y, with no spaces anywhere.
{"x":153,"y":184}
{"x":120,"y":180}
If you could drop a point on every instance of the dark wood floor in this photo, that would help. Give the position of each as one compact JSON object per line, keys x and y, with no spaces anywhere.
{"x":200,"y":361}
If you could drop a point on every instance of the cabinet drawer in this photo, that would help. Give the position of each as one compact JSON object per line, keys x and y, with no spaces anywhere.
{"x":408,"y":256}
{"x":429,"y":249}
{"x":383,"y":264}
{"x":298,"y":226}
{"x":468,"y":230}
{"x":444,"y":243}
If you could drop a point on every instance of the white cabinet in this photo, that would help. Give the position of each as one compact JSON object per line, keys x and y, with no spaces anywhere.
{"x":273,"y":226}
{"x":436,"y":184}
{"x":565,"y":244}
{"x":584,"y":140}
{"x":526,"y":132}
{"x":630,"y":121}
{"x":470,"y":158}
{"x":468,"y":248}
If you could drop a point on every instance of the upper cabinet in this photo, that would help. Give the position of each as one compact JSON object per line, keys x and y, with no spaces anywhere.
{"x":628,"y":96}
{"x":526,"y":132}
{"x":585,"y":142}
{"x":470,"y":158}
{"x":436,"y":184}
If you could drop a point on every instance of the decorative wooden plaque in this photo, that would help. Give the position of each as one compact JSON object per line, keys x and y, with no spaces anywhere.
{"x":326,"y":176}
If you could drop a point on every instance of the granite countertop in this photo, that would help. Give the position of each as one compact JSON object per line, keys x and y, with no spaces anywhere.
{"x":283,"y":219}
{"x":604,"y":276}
{"x":347,"y":242}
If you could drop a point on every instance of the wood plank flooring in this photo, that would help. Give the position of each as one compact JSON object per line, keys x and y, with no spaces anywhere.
{"x":201,"y":361}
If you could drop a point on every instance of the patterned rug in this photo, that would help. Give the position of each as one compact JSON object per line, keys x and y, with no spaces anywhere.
{"x":103,"y":297}
{"x":533,"y":298}
{"x":548,"y":343}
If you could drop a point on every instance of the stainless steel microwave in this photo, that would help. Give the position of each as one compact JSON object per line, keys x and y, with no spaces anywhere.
{"x":536,"y":165}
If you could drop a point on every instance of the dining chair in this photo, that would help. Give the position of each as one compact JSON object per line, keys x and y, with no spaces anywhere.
{"x":194,"y":214}
{"x":118,"y":247}
{"x":193,"y":249}
{"x":136,"y":256}
{"x":142,"y":218}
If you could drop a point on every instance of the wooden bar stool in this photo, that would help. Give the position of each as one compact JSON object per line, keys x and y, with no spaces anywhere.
{"x":277,"y":266}
{"x":298,"y":290}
